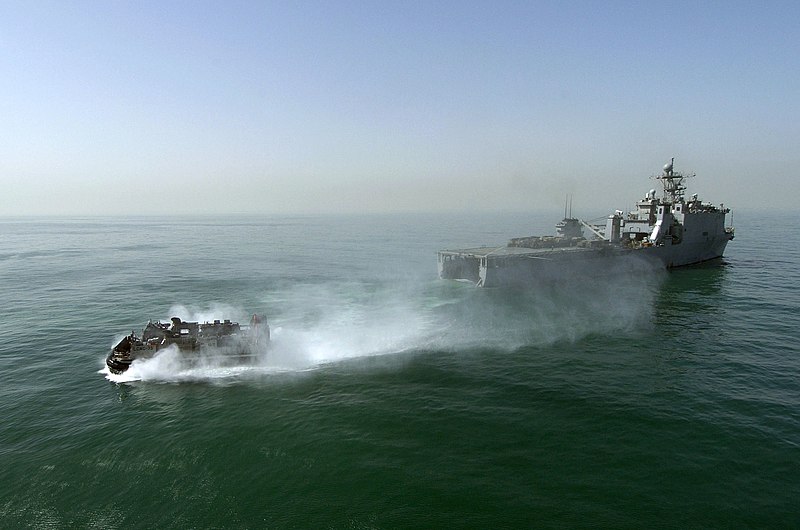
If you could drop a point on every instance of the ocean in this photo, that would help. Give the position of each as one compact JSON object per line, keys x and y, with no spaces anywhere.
{"x":389,"y":398}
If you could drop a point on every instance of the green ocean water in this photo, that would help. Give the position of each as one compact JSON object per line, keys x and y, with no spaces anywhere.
{"x":389,"y":398}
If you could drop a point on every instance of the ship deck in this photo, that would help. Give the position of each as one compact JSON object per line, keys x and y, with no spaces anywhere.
{"x":510,"y":252}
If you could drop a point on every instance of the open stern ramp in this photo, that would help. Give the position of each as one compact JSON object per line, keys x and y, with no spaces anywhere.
{"x":490,"y":266}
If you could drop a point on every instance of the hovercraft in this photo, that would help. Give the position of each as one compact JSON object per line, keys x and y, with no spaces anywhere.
{"x":225,"y":338}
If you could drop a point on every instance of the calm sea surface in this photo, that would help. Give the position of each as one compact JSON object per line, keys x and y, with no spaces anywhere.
{"x":389,"y":398}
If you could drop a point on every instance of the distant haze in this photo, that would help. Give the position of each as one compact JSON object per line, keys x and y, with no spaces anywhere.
{"x":301,"y":107}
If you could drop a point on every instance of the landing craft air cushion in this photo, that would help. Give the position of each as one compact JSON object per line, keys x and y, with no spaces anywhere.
{"x":219,"y":338}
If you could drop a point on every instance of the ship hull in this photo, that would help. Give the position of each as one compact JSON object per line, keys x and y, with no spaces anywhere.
{"x":120,"y":363}
{"x":498,"y":267}
{"x":687,"y":254}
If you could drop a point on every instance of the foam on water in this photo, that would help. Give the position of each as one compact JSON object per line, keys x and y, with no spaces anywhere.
{"x":313,"y":325}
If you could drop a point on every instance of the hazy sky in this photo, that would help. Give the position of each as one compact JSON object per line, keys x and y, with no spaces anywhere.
{"x":336,"y":106}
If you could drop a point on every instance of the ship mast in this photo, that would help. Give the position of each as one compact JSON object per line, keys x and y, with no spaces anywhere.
{"x":568,"y":201}
{"x":673,"y":183}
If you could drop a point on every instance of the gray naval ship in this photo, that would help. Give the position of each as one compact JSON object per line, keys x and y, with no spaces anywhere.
{"x":667,"y":231}
{"x":224,"y":339}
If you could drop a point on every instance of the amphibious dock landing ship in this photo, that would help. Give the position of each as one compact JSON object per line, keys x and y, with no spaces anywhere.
{"x":667,"y":231}
{"x":223,"y":338}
